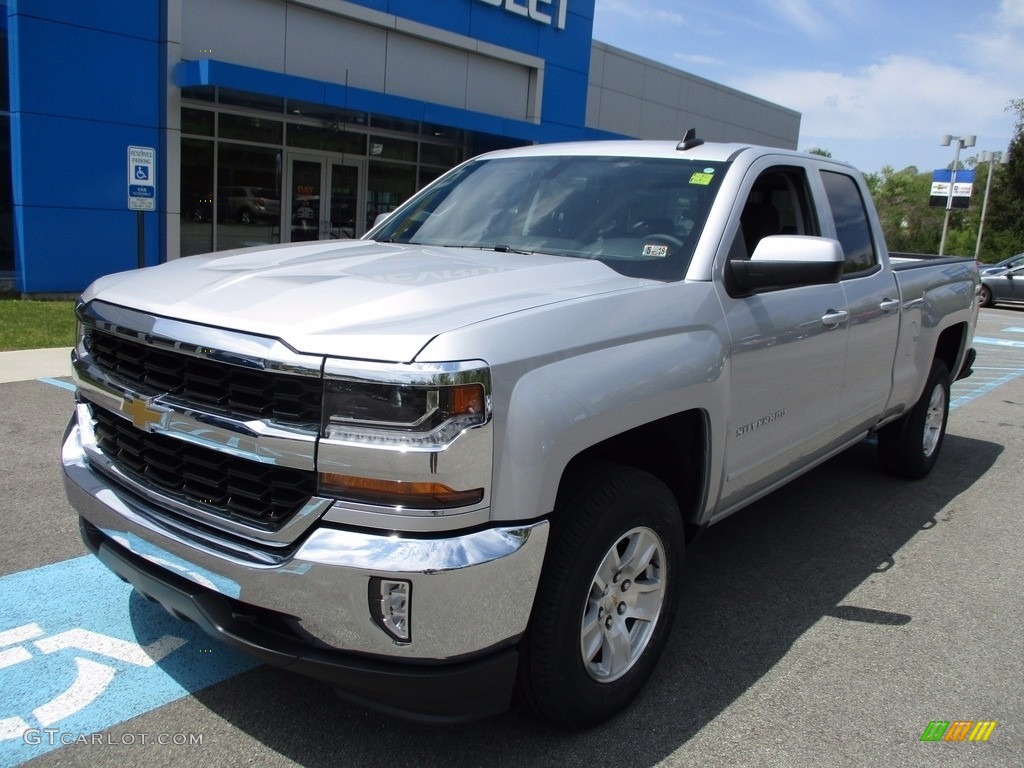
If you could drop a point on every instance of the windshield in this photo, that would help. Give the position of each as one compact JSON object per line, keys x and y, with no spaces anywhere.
{"x":640,"y":216}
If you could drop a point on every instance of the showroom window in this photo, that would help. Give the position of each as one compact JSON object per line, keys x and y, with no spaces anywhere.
{"x":239,"y":151}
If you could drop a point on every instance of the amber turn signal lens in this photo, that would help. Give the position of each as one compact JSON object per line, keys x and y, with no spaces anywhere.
{"x":418,"y":495}
{"x":467,"y":399}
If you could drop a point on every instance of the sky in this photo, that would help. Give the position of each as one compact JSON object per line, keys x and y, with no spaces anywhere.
{"x":877,"y":82}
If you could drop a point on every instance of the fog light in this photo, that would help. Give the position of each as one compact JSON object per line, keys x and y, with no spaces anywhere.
{"x":391,"y":607}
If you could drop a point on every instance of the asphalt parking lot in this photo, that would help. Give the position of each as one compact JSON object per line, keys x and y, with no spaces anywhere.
{"x":827,"y":625}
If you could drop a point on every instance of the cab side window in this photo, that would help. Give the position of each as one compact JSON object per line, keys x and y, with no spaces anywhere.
{"x":778,"y":204}
{"x":851,"y":221}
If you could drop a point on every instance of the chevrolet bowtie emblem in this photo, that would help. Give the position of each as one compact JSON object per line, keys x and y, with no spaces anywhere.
{"x":143,"y":413}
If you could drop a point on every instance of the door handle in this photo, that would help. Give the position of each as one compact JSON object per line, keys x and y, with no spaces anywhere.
{"x":889,"y":305}
{"x":833,"y":318}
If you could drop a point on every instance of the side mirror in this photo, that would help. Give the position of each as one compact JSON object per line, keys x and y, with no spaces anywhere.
{"x":381,"y":218}
{"x":788,"y":261}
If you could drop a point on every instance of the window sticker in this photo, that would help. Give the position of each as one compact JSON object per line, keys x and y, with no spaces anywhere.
{"x":703,"y":178}
{"x":655,"y":251}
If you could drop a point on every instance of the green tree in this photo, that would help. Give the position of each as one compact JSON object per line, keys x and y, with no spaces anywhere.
{"x":1004,"y":219}
{"x":910,"y":225}
{"x":901,"y":198}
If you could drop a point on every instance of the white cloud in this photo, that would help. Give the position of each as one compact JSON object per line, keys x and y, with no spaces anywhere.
{"x":695,"y":60}
{"x":999,"y":50}
{"x":901,"y":96}
{"x":1012,"y":12}
{"x":801,"y":14}
{"x":815,"y":18}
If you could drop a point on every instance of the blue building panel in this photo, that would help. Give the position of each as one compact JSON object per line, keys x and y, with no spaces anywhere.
{"x":86,"y":82}
{"x":71,"y":247}
{"x":60,"y":174}
{"x":136,"y":19}
{"x":85,"y":73}
{"x":569,"y":48}
{"x":237,"y":77}
{"x":497,"y":26}
{"x":565,"y":97}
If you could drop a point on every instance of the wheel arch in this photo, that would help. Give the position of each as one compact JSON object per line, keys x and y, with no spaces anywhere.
{"x":674,"y":449}
{"x":951,"y":348}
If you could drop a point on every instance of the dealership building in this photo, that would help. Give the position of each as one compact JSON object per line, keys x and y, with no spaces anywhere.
{"x":144,"y":131}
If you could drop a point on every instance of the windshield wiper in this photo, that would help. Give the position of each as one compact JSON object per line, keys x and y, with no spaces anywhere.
{"x":502,"y":248}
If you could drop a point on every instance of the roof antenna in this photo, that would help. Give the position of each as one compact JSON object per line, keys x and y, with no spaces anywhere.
{"x":689,"y":141}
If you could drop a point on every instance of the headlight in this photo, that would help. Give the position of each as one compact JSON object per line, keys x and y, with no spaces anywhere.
{"x":432,"y":414}
{"x":414,"y":409}
{"x":428,"y":411}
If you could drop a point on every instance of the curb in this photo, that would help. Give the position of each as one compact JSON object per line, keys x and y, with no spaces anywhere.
{"x":29,"y":364}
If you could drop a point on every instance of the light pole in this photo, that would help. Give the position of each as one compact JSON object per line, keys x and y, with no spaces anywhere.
{"x":961,"y":142}
{"x":990,"y":158}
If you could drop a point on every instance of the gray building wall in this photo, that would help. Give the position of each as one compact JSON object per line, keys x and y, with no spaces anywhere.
{"x":634,"y":96}
{"x":342,"y":42}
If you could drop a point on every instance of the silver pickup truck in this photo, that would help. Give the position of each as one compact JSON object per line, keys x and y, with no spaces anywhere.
{"x":465,"y":453}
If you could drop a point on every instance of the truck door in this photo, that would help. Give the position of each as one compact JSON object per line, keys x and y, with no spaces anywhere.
{"x":787,"y":346}
{"x":873,"y":301}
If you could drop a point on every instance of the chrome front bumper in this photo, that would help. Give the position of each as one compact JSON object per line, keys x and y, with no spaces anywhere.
{"x":471,"y":593}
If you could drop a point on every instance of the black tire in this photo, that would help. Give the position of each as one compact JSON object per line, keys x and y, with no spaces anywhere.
{"x":910,"y":445}
{"x":985,"y":297}
{"x":611,"y":580}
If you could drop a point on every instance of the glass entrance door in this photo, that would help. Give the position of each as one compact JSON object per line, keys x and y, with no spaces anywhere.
{"x":323,"y":200}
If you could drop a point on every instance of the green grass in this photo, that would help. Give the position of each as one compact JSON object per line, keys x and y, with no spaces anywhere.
{"x":36,"y":324}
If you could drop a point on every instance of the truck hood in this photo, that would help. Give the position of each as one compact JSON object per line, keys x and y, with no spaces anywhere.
{"x":357,"y":299}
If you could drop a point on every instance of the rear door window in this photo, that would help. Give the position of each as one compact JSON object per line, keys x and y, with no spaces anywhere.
{"x":851,"y":222}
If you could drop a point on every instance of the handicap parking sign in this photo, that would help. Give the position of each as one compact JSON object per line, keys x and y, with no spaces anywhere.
{"x":141,"y":179}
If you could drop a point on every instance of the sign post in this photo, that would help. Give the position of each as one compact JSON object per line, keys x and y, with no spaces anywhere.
{"x":141,"y":192}
{"x":961,"y":143}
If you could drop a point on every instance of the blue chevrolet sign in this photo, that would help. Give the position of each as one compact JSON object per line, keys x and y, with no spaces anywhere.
{"x":951,"y":188}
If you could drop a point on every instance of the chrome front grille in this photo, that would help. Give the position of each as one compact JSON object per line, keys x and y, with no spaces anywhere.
{"x":218,"y":482}
{"x":206,"y":383}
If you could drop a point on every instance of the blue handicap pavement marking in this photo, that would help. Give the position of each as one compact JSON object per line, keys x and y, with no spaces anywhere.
{"x":81,"y":652}
{"x":58,"y":383}
{"x":999,"y":342}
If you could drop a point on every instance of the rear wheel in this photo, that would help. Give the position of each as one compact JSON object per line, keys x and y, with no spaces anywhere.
{"x":910,"y":446}
{"x":607,"y":597}
{"x":985,"y":296}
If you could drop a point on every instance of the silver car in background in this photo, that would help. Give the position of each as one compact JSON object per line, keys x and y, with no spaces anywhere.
{"x":1003,"y":286}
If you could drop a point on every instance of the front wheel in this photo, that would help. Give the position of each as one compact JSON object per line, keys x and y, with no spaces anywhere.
{"x":607,"y":596}
{"x":910,"y":445}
